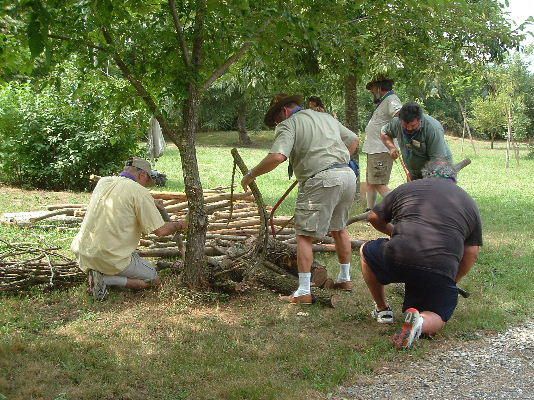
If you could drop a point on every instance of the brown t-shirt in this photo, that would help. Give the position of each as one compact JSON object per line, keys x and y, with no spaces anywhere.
{"x":433,"y":219}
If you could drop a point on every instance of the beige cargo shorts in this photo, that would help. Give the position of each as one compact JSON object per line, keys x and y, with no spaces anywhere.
{"x":139,"y":268}
{"x":324,"y":202}
{"x":378,"y":168}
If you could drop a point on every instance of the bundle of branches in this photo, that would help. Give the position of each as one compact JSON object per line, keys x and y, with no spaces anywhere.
{"x":23,"y":265}
{"x":241,"y":267}
{"x":57,"y":216}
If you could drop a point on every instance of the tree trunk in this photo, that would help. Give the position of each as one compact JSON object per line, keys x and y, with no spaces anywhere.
{"x":351,"y":114}
{"x":351,"y":103}
{"x":244,"y":138}
{"x":195,"y":268}
{"x":466,"y":126}
{"x":492,"y":139}
{"x":509,"y":135}
{"x":463,"y":131}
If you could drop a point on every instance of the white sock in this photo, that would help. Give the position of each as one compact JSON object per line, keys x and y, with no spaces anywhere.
{"x":344,"y":273}
{"x":115,"y":280}
{"x":304,"y":284}
{"x":371,"y":198}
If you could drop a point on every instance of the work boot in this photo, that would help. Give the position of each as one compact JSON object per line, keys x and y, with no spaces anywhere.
{"x":97,"y":286}
{"x":305,"y":299}
{"x":344,"y":285}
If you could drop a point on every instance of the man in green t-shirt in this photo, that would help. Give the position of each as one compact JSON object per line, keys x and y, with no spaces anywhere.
{"x":318,"y":148}
{"x":421,"y":139}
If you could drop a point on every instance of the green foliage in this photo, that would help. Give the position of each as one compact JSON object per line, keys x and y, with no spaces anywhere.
{"x":221,"y":106}
{"x":489,"y":116}
{"x":302,"y":46}
{"x":55,"y":137}
{"x":508,"y":90}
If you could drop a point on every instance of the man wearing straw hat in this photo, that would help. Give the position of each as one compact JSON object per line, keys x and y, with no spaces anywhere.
{"x":318,"y":148}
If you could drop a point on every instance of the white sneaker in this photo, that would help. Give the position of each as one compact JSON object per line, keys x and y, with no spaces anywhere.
{"x":384,"y":316}
{"x":411,"y":330}
{"x":97,"y":286}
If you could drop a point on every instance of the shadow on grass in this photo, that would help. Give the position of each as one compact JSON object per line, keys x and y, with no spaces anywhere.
{"x":166,"y":345}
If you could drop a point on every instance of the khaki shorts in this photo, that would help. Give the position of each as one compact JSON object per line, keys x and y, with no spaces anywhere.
{"x":378,"y":168}
{"x":139,"y":268}
{"x":324,"y":202}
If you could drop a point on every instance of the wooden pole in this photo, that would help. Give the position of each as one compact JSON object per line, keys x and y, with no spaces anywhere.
{"x":509,"y":136}
{"x":263,"y":234}
{"x":466,"y":126}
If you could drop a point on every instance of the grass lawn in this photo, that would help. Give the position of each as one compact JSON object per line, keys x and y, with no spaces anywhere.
{"x":174,"y":344}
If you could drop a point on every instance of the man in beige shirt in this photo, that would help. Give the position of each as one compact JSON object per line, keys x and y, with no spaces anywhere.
{"x":379,"y":162}
{"x":318,"y":148}
{"x":120,"y":211}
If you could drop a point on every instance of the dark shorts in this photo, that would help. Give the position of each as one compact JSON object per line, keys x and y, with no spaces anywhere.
{"x":424,"y":290}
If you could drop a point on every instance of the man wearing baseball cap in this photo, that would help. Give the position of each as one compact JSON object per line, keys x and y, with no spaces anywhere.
{"x":120,"y":211}
{"x":318,"y":148}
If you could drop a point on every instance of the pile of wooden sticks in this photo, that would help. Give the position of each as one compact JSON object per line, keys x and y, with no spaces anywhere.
{"x":23,"y":265}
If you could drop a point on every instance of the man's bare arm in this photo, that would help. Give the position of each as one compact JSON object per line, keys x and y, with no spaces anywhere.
{"x":170,"y":227}
{"x":380,"y":224}
{"x":354,"y":146}
{"x":269,"y":162}
{"x":468,"y":260}
{"x":388,"y":142}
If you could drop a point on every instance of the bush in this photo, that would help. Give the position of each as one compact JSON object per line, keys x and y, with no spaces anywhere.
{"x":54,"y":139}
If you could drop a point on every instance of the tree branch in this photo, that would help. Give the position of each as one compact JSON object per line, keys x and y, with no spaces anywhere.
{"x":71,"y":39}
{"x":198,"y":35}
{"x":180,"y":33}
{"x":232,"y":59}
{"x":140,"y":89}
{"x":224,"y":67}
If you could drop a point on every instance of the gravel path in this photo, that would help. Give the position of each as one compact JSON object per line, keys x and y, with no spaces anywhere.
{"x":496,"y":367}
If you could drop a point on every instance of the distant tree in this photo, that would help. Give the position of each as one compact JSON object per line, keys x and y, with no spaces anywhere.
{"x":507,"y":88}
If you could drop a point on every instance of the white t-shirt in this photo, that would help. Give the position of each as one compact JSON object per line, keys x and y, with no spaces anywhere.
{"x":383,"y":114}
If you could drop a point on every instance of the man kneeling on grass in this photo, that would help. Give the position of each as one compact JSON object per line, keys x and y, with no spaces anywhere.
{"x":121,"y":209}
{"x":436,"y":235}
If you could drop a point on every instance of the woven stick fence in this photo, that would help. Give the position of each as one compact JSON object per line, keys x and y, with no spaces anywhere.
{"x":23,"y":265}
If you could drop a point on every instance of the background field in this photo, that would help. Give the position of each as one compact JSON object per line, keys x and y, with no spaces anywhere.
{"x":175,"y":344}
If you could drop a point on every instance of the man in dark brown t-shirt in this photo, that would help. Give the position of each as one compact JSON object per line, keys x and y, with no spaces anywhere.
{"x":436,"y":233}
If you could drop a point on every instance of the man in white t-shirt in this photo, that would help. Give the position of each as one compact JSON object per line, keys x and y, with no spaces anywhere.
{"x":379,"y":162}
{"x":121,"y":209}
